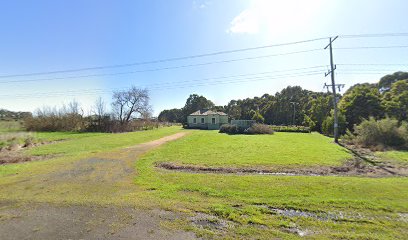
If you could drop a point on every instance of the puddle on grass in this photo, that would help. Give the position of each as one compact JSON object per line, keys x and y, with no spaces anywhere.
{"x":322,"y":216}
{"x":209,"y":222}
{"x":297,"y":231}
{"x":403,"y":217}
{"x":298,"y":213}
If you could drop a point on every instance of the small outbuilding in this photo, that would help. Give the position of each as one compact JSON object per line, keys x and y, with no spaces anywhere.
{"x":207,"y":119}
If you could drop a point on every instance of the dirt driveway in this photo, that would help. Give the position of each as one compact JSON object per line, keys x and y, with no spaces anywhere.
{"x":105,"y":179}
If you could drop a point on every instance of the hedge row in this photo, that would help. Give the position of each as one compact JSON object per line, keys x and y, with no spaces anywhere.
{"x":299,"y":129}
{"x":256,"y":128}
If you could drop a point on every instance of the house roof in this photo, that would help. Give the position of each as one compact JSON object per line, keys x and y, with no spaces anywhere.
{"x":205,"y":112}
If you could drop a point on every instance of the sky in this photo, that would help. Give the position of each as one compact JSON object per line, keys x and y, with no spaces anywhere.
{"x":109,"y":39}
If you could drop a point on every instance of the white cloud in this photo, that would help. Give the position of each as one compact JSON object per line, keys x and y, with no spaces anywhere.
{"x":274,"y":16}
{"x":246,"y":22}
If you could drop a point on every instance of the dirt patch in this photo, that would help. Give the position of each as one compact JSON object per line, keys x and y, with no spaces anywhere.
{"x":15,"y":153}
{"x":365,"y":154}
{"x":46,"y":221}
{"x":108,"y":168}
{"x":10,"y":156}
{"x":107,"y":176}
{"x":207,"y":221}
{"x":355,"y":167}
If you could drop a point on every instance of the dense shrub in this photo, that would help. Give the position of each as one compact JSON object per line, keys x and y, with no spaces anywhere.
{"x":259,"y":128}
{"x":380,"y":134}
{"x":256,"y":128}
{"x":300,"y":129}
{"x":328,"y":124}
{"x":230,"y":129}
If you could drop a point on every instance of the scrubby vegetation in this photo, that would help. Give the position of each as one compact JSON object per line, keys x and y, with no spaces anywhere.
{"x":259,"y":128}
{"x":130,"y":112}
{"x":256,"y":128}
{"x":380,"y":134}
{"x":15,"y":140}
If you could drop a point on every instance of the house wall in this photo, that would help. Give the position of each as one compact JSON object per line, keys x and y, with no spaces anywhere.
{"x":219,"y":120}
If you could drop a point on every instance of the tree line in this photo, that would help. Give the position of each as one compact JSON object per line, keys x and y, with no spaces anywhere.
{"x":388,"y":97}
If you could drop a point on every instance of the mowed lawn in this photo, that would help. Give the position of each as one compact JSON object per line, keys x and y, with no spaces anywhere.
{"x":280,"y":150}
{"x":360,"y":207}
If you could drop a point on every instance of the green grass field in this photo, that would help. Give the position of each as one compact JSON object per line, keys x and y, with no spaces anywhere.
{"x":372,"y":205}
{"x":73,"y":146}
{"x":281,"y":150}
{"x":334,"y":207}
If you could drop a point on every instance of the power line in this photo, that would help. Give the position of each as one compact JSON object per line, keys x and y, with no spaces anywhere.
{"x":374,"y":35}
{"x":372,"y":64}
{"x":201,"y":55}
{"x":293,"y":71}
{"x":370,"y":47}
{"x":161,"y":60}
{"x":363,"y":73}
{"x":100,"y":91}
{"x":153,"y":88}
{"x":164,"y":68}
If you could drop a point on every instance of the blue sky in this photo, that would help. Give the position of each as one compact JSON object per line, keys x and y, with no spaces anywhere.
{"x":41,"y":36}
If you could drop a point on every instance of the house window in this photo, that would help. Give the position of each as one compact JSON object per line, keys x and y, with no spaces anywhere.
{"x":213,"y":120}
{"x":202,"y":120}
{"x":194,"y":120}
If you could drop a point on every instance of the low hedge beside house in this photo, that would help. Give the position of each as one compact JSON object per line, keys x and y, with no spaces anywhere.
{"x":299,"y":129}
{"x":256,"y":128}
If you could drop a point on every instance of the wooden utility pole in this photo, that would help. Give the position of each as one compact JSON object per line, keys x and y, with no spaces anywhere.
{"x":333,"y":86}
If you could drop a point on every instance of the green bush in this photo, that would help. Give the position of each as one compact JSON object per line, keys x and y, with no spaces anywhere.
{"x":230,"y":129}
{"x":299,"y":129}
{"x":328,"y":124}
{"x":256,"y":128}
{"x":380,"y":134}
{"x":259,"y":128}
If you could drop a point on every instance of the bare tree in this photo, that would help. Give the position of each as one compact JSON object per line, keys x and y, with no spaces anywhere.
{"x":74,"y":108}
{"x":99,"y":108}
{"x":128,"y":103}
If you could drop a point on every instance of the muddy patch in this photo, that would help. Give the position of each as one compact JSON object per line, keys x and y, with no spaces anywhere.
{"x":365,"y":154}
{"x":296,"y":230}
{"x":355,"y":167}
{"x":10,"y":156}
{"x":321,"y":216}
{"x":93,"y":170}
{"x":15,"y":153}
{"x":206,"y":221}
{"x":403,"y":217}
{"x":298,"y":213}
